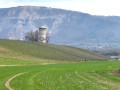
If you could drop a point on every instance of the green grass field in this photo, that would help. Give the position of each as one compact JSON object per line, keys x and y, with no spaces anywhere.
{"x":30,"y":66}
{"x":70,"y":76}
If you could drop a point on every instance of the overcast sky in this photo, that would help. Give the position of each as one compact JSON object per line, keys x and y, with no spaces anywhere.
{"x":94,"y":7}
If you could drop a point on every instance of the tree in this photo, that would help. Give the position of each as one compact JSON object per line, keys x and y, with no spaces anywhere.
{"x":33,"y":36}
{"x":47,"y":37}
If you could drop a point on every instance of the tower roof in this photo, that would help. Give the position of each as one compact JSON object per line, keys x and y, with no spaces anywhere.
{"x":42,"y":27}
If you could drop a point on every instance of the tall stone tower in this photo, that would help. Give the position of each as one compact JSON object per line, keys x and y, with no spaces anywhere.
{"x":42,"y":34}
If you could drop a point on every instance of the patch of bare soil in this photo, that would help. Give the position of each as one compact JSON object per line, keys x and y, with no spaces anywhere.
{"x":117,"y":72}
{"x":7,"y":65}
{"x":47,"y":63}
{"x":3,"y":49}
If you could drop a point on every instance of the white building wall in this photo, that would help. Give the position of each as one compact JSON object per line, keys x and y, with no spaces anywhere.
{"x":42,"y":34}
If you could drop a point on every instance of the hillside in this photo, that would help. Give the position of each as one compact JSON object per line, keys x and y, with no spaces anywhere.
{"x":66,"y":27}
{"x":13,"y":48}
{"x":111,"y":52}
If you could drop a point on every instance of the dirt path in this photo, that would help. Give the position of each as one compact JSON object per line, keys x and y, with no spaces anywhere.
{"x":7,"y":84}
{"x":7,"y":65}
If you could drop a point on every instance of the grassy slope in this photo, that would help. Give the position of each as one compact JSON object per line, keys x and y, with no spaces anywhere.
{"x":110,"y":52}
{"x":28,"y":50}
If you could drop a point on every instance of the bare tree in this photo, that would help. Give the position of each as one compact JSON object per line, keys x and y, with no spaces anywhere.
{"x":48,"y":38}
{"x":33,"y":36}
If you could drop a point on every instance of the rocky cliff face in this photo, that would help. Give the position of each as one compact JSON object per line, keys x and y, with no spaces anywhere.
{"x":66,"y":27}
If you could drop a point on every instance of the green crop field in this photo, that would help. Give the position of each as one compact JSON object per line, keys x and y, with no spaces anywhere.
{"x":95,"y":75}
{"x":35,"y":66}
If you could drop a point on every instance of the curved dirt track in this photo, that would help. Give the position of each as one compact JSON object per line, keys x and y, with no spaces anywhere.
{"x":7,"y":84}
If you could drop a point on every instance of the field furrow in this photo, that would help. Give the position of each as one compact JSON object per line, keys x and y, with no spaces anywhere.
{"x":113,"y":85}
{"x":93,"y":83}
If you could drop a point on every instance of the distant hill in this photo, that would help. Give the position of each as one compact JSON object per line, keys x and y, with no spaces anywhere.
{"x":19,"y":49}
{"x":66,"y":27}
{"x":110,"y":52}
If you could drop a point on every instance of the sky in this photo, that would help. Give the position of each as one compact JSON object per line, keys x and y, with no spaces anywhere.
{"x":93,"y":7}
